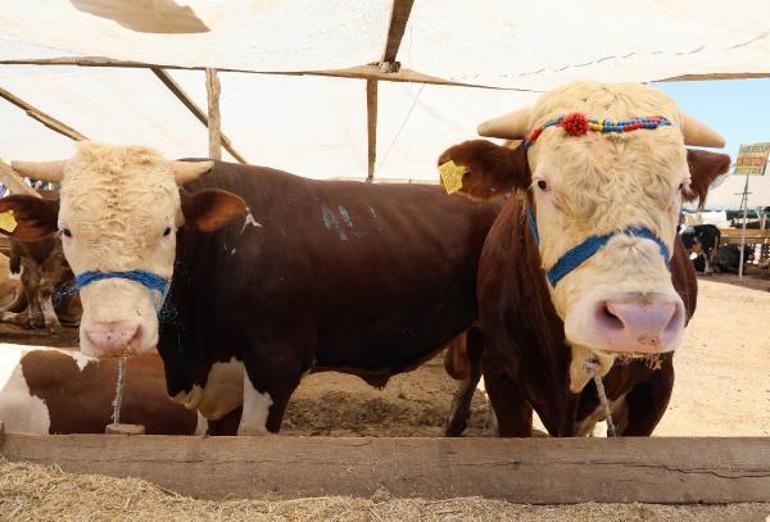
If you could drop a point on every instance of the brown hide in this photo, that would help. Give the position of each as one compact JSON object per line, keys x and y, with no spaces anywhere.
{"x":526,"y":358}
{"x":80,"y":401}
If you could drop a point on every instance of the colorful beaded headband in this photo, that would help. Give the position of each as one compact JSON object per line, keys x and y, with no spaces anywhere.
{"x":576,"y":124}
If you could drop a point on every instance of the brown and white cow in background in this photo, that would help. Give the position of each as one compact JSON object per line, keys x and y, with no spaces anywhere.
{"x":622,"y":308}
{"x":57,"y":391}
{"x":48,"y":299}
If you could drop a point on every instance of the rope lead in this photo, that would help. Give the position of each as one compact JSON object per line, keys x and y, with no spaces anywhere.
{"x":592,"y":367}
{"x":119,"y":387}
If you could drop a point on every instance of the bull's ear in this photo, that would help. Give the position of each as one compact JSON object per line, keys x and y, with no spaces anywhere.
{"x":490,"y":168}
{"x":28,"y":218}
{"x":211,"y":209}
{"x":704,"y":166}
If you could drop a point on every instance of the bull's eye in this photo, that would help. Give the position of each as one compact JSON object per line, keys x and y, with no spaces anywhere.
{"x":542,"y":185}
{"x":167,"y":231}
{"x":65,"y":232}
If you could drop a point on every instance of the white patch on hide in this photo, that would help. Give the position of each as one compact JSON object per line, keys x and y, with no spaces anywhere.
{"x":20,"y":411}
{"x":80,"y":359}
{"x":256,"y":407}
{"x":249,"y":220}
{"x":222,"y":394}
{"x":202,"y":426}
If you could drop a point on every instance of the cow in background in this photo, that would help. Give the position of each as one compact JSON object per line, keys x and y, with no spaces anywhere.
{"x":46,"y":279}
{"x":57,"y":391}
{"x":703,"y":241}
{"x":582,"y":273}
{"x":11,"y":291}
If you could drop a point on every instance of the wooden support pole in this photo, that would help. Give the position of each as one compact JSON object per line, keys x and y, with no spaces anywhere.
{"x":40,"y":116}
{"x":196,"y":111}
{"x":371,"y":126}
{"x":399,"y":16}
{"x":533,"y":471}
{"x":215,"y":124}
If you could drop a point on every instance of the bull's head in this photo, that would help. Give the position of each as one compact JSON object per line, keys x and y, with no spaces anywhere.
{"x":624,"y":187}
{"x":118,"y":215}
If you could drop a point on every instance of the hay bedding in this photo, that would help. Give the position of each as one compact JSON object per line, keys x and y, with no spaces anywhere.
{"x":33,"y":492}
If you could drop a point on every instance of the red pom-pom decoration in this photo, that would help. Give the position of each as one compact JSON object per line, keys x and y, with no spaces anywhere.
{"x":575,"y":124}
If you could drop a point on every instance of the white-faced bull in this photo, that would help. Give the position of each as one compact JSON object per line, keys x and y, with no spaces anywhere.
{"x":584,"y":265}
{"x":369,"y":280}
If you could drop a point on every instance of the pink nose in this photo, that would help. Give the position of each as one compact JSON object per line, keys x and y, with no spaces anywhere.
{"x":640,"y":324}
{"x":113,"y":339}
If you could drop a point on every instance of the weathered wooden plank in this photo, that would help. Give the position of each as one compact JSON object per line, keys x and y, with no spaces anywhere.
{"x":40,"y":116}
{"x":212,"y":95}
{"x":201,"y":116}
{"x":371,"y":126}
{"x":686,"y":470}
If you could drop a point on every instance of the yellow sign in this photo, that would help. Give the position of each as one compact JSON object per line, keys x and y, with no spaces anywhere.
{"x":452,"y":176}
{"x":752,"y":159}
{"x":8,"y":221}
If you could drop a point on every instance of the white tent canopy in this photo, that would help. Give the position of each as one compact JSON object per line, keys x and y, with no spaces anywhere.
{"x":317,"y":126}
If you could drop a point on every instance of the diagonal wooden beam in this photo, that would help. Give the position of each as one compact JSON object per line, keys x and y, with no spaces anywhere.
{"x":399,"y":16}
{"x":40,"y":116}
{"x":188,"y":102}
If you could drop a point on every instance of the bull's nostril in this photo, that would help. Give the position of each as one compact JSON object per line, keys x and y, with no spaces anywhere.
{"x":607,"y":318}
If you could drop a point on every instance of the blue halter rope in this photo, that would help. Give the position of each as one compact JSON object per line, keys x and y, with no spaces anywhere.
{"x":579,"y":254}
{"x":147,"y":279}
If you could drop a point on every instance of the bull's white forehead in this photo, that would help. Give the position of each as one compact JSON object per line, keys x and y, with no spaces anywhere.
{"x":613,"y":177}
{"x":118,"y":197}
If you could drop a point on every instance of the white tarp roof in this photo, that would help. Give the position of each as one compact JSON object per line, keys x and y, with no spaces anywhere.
{"x":316,"y":126}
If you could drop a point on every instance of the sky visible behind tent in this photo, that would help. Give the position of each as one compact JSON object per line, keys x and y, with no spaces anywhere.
{"x":738,"y":109}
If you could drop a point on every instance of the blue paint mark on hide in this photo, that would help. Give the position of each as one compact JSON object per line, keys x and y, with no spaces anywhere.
{"x":332,"y":223}
{"x":345,"y":216}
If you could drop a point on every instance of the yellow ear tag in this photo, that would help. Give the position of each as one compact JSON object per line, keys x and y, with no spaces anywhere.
{"x":8,"y":221}
{"x":452,"y":175}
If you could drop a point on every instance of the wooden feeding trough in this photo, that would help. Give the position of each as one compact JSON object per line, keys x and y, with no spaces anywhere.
{"x":533,"y":471}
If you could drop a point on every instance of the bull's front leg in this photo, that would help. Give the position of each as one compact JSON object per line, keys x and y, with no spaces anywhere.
{"x":646,"y":403}
{"x":512,"y":411}
{"x":270,"y":377}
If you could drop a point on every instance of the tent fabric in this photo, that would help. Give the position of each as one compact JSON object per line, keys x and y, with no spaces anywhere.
{"x":534,"y":45}
{"x":316,"y":126}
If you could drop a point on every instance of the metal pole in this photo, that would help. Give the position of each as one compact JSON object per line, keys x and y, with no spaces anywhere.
{"x":745,"y":204}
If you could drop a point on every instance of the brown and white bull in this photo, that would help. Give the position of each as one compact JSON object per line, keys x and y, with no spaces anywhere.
{"x":365,"y":279}
{"x":57,"y":391}
{"x":583,"y":268}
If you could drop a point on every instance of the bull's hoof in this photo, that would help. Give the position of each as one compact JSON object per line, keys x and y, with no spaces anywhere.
{"x":252,"y":431}
{"x":456,"y":425}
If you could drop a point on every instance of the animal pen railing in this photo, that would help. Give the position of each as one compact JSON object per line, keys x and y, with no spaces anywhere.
{"x":533,"y":471}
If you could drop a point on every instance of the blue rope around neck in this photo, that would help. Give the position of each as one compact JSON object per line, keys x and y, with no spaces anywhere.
{"x":588,"y":247}
{"x":149,"y":280}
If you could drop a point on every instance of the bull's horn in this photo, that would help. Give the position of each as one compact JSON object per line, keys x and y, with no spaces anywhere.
{"x":699,"y":134}
{"x":511,"y":126}
{"x":187,"y":171}
{"x":43,"y":170}
{"x":13,"y":181}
